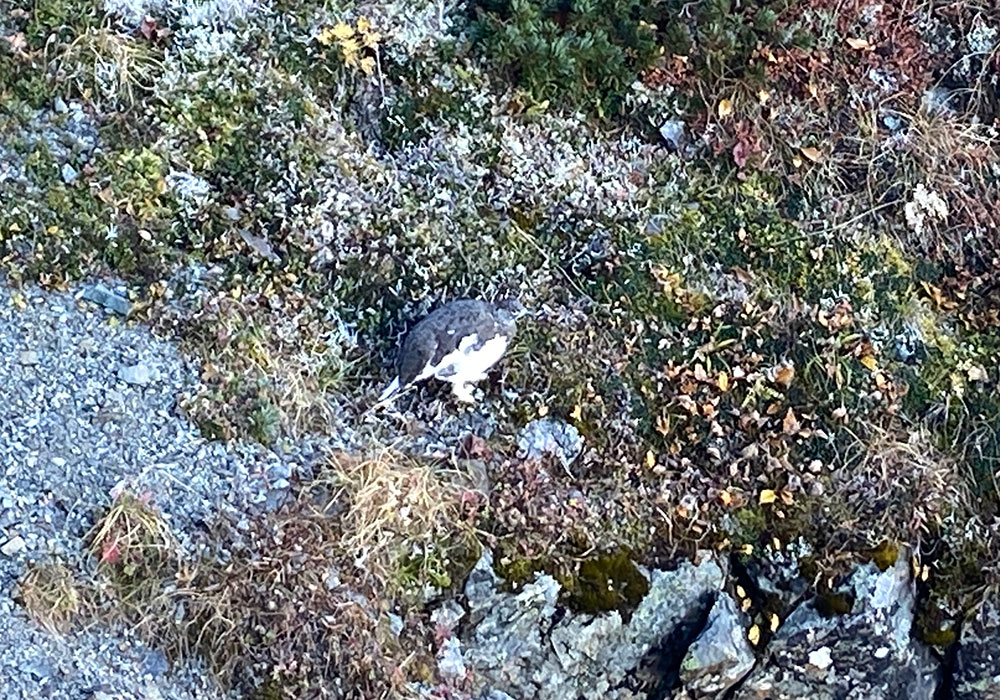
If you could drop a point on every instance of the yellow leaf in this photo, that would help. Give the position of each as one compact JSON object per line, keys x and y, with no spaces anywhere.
{"x":813,"y":154}
{"x":723,"y":381}
{"x":325,"y":36}
{"x":371,"y":39}
{"x":754,"y":635}
{"x":577,"y":412}
{"x":725,"y":108}
{"x":364,"y":24}
{"x":543,"y":411}
{"x":858,"y":44}
{"x":870,"y":362}
{"x":768,"y":496}
{"x":745,"y":604}
{"x":787,"y":499}
{"x":763,"y":96}
{"x":746,"y":550}
{"x":368,"y":65}
{"x":342,"y":30}
{"x":785,"y":375}
{"x":740,"y":591}
{"x":775,"y":621}
{"x":650,"y":459}
{"x":726,"y":498}
{"x":17,"y":299}
{"x":349,"y":46}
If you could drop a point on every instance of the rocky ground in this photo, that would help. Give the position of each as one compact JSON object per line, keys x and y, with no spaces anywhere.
{"x":745,"y":445}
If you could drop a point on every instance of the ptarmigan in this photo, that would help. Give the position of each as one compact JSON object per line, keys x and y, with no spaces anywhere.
{"x":457,"y":343}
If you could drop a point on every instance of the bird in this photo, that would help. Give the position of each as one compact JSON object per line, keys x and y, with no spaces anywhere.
{"x":456,"y":343}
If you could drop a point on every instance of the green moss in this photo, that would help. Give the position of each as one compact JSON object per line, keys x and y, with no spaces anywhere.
{"x":751,"y":524}
{"x":582,"y":53}
{"x":833,"y":604}
{"x":270,"y":689}
{"x":608,"y":582}
{"x":885,"y":555}
{"x":933,"y":627}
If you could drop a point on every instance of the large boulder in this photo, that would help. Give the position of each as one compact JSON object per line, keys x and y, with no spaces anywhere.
{"x":526,"y":645}
{"x":868,"y":652}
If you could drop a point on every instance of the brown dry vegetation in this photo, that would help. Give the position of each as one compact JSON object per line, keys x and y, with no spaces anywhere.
{"x":298,"y":602}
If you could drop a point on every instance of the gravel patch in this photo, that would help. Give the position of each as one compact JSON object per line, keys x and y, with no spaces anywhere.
{"x":89,"y":666}
{"x":88,"y":407}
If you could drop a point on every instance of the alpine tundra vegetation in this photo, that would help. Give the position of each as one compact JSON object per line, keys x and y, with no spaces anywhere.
{"x":759,"y":245}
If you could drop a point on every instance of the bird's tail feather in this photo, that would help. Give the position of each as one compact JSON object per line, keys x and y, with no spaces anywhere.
{"x":390,"y":390}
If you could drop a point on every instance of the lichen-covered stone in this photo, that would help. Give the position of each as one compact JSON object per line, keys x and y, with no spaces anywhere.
{"x":721,"y":655}
{"x":521,"y":647}
{"x":548,"y":436}
{"x":977,"y":664}
{"x":866,"y":653}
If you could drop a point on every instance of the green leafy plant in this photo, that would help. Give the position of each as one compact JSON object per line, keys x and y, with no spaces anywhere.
{"x":587,"y":53}
{"x":584,"y":53}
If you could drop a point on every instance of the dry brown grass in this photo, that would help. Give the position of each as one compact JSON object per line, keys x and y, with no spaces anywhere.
{"x":136,"y":553}
{"x":117,"y":65}
{"x":298,"y":602}
{"x":403,"y":521}
{"x":905,"y":488}
{"x":958,"y":160}
{"x":51,"y":595}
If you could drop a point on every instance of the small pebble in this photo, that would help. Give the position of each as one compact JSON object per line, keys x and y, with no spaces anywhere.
{"x":28,"y":358}
{"x":102,"y":296}
{"x":13,"y":546}
{"x":69,"y":173}
{"x":139,"y":374}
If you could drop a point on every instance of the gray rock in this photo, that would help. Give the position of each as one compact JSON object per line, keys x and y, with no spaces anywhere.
{"x":450,"y":662}
{"x":909,"y":345}
{"x":480,"y":586}
{"x":260,"y":245}
{"x":395,"y":623}
{"x":672,"y":132}
{"x":69,"y":173}
{"x":28,"y":358}
{"x":519,"y":646}
{"x":155,"y":663}
{"x":867,"y":653}
{"x":552,"y":437}
{"x":102,"y":296}
{"x":721,"y":655}
{"x":977,"y":663}
{"x":59,"y":105}
{"x":447,"y":617}
{"x":140,"y":374}
{"x":14,"y":546}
